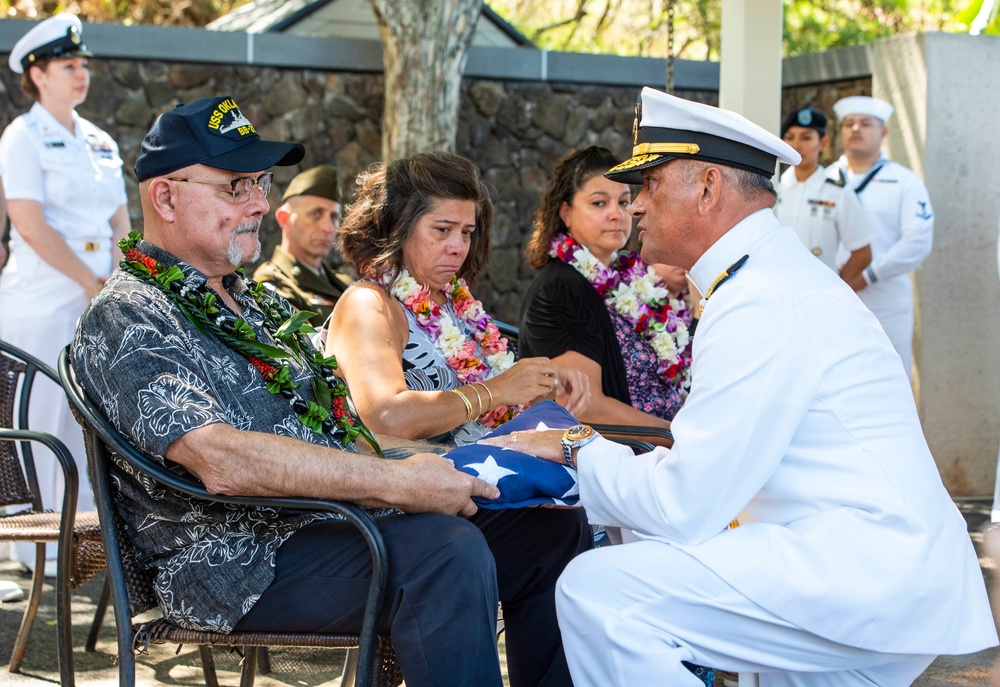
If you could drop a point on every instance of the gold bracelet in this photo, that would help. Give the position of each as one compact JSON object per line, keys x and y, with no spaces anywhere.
{"x":478,"y":398}
{"x":468,"y":405}
{"x":490,"y":393}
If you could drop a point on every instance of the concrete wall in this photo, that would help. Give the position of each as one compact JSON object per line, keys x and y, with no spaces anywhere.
{"x":946,"y":90}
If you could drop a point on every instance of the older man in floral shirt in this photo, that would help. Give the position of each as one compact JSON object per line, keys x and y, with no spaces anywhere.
{"x":210,"y":373}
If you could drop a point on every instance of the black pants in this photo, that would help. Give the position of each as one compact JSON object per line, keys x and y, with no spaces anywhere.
{"x":445,"y":577}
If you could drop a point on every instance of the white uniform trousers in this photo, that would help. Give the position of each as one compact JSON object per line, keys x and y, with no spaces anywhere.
{"x":41,"y":321}
{"x":891,"y":301}
{"x":630,"y":614}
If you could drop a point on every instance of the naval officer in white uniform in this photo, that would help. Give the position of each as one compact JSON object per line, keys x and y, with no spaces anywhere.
{"x":899,"y":204}
{"x":62,"y":177}
{"x":824,"y":212}
{"x":798,"y":527}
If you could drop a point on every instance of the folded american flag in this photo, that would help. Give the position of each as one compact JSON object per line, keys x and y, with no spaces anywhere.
{"x":523,"y":480}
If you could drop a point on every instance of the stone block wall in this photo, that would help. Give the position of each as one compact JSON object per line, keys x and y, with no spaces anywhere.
{"x":514,"y":131}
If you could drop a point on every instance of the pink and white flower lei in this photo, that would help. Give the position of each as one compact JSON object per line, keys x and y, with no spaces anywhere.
{"x":456,"y":347}
{"x":634,"y":291}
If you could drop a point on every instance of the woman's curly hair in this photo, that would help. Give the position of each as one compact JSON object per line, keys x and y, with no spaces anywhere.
{"x":571,"y":172}
{"x":390,"y":198}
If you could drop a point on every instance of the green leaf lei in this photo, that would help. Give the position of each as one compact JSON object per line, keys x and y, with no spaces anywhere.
{"x":332,"y":410}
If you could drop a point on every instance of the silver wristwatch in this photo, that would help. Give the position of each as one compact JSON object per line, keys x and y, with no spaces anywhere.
{"x":575,"y":437}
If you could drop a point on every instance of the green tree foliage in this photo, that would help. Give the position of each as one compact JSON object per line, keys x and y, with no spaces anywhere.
{"x":622,"y":27}
{"x":619,"y":27}
{"x":812,"y":26}
{"x":991,"y":16}
{"x":163,"y":12}
{"x":639,"y":27}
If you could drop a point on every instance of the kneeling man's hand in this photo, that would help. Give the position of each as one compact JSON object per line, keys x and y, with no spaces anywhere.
{"x":545,"y":444}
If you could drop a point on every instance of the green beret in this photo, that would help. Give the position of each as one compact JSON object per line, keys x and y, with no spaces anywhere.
{"x":319,"y":181}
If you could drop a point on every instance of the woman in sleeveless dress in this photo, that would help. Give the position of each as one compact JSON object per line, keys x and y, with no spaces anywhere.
{"x":422,"y":358}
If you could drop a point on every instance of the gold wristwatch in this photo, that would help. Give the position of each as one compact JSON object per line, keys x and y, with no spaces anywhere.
{"x":575,"y":437}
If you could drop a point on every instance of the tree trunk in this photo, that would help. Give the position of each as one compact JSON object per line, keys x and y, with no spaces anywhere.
{"x":424,"y":46}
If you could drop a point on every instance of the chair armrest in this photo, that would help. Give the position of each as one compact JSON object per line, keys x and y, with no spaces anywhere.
{"x":513,"y":336}
{"x":508,"y":330}
{"x":665,"y":436}
{"x":70,"y":474}
{"x":638,"y":446}
{"x":67,"y":513}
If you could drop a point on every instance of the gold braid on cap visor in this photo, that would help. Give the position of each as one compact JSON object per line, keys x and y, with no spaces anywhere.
{"x":661,"y":148}
{"x":643,"y":153}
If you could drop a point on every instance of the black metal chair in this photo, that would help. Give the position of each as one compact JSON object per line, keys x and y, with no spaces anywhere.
{"x":80,"y":554}
{"x":132,"y":585}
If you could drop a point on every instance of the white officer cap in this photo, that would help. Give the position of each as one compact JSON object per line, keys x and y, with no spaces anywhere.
{"x":863,"y":105}
{"x":57,"y":37}
{"x":667,"y":127}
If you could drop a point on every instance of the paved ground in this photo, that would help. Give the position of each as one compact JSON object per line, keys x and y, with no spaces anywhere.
{"x":313,"y":668}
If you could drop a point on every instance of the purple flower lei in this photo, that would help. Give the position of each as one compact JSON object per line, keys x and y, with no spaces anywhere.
{"x":652,"y":318}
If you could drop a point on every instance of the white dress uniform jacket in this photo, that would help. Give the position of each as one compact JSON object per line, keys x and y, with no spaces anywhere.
{"x":900,"y":206}
{"x":824,"y":213}
{"x":801,"y":422}
{"x":78,"y":180}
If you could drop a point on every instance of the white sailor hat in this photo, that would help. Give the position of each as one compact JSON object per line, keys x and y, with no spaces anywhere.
{"x":667,"y":127}
{"x":863,"y":105}
{"x":57,"y":37}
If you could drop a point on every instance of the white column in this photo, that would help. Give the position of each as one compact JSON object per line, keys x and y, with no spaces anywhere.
{"x":750,"y":70}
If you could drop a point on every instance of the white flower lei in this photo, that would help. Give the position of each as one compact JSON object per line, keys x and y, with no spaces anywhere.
{"x":458,"y":349}
{"x":637,"y":293}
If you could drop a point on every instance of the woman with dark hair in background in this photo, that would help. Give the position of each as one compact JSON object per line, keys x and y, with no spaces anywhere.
{"x":599,"y":309}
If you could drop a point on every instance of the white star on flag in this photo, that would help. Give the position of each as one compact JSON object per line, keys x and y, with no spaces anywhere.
{"x":489,"y":471}
{"x":527,"y":480}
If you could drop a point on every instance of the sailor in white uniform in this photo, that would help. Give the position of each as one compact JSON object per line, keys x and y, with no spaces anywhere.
{"x":62,"y":177}
{"x":899,"y":204}
{"x":798,"y":527}
{"x":825,"y":214}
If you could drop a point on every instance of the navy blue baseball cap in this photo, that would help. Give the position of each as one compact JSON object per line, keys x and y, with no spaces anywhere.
{"x":806,"y":117}
{"x":212,"y":132}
